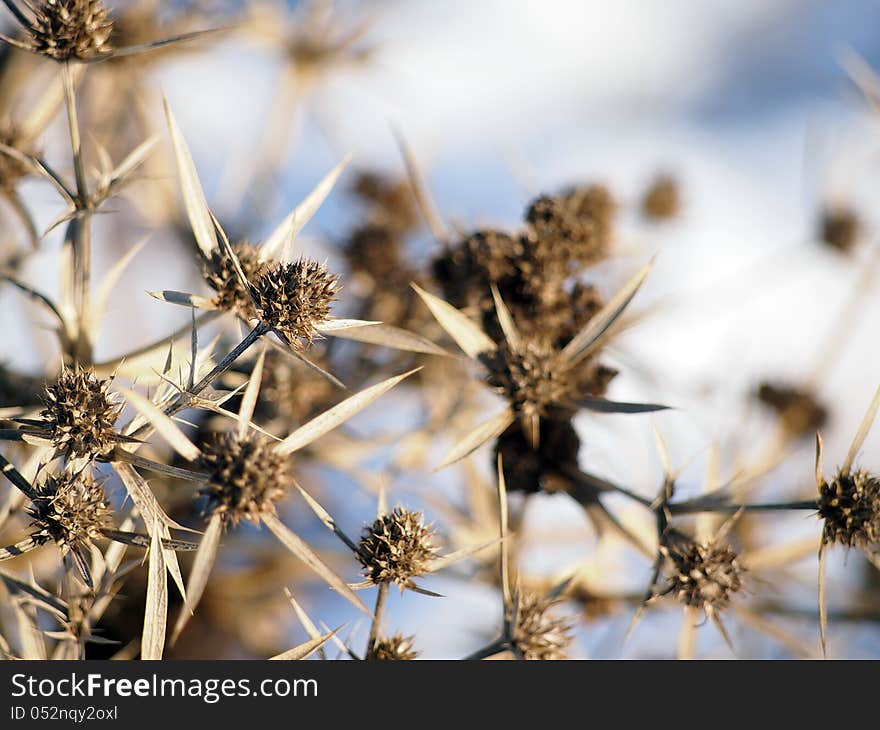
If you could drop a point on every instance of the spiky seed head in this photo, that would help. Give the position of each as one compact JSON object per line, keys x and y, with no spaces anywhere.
{"x":71,"y":29}
{"x":396,"y":548}
{"x":801,"y":414}
{"x":702,"y":574}
{"x":375,"y":250}
{"x":80,"y":414}
{"x":531,"y":379}
{"x":294,"y":298}
{"x":293,"y":394}
{"x":393,"y":648}
{"x":539,"y":635}
{"x":662,"y":199}
{"x":390,"y":202}
{"x":850,"y":506}
{"x":70,"y":510}
{"x":573,"y":230}
{"x":840,"y":227}
{"x":246,"y":477}
{"x":221,"y":276}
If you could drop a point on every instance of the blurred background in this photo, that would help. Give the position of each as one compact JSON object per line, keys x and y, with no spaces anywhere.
{"x":753,"y":109}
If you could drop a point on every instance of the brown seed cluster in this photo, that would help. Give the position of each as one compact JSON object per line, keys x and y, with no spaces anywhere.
{"x":221,"y":276}
{"x":702,"y":574}
{"x":839,"y":228}
{"x":295,"y":298}
{"x":293,"y":394}
{"x":70,"y":510}
{"x":70,"y":29}
{"x":396,"y":548}
{"x":533,"y":270}
{"x":393,"y":648}
{"x":80,"y":415}
{"x":539,"y":634}
{"x":533,"y":470}
{"x":850,"y":506}
{"x":662,"y":199}
{"x":801,"y":414}
{"x":246,"y":477}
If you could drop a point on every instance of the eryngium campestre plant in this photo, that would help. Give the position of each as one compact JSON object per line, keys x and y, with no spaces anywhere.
{"x":294,"y":298}
{"x":396,"y":548}
{"x":246,"y":477}
{"x":701,"y":574}
{"x":799,"y":411}
{"x":70,"y":510}
{"x":67,"y":29}
{"x":393,"y":648}
{"x":538,"y":634}
{"x":79,"y":416}
{"x":850,"y":506}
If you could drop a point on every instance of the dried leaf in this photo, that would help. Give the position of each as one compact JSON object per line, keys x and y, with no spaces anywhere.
{"x":482,"y":434}
{"x":579,"y":346}
{"x":296,"y":220}
{"x":467,"y":335}
{"x":305,"y":649}
{"x":193,"y":196}
{"x":201,"y":570}
{"x":156,"y":607}
{"x":298,"y":547}
{"x":336,"y":415}
{"x":163,"y":425}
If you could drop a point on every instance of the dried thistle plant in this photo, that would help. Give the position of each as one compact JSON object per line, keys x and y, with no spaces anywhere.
{"x":221,"y":434}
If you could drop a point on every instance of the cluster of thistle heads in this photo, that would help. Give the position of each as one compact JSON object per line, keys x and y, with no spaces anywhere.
{"x":159,"y":462}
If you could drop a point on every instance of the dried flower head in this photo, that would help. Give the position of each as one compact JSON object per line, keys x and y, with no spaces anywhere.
{"x":246,"y":477}
{"x":396,"y":548}
{"x":839,"y":227}
{"x":67,"y":29}
{"x":79,"y":416}
{"x":221,"y":276}
{"x":850,"y":506}
{"x":799,"y":411}
{"x":393,"y":648}
{"x":70,"y":510}
{"x":662,"y":199}
{"x":294,"y":298}
{"x":390,"y":203}
{"x":701,"y":574}
{"x":573,"y":230}
{"x":531,"y":378}
{"x":538,"y":634}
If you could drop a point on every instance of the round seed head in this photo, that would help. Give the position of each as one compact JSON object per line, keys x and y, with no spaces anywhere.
{"x":531,"y":380}
{"x":396,"y":548}
{"x":538,"y":634}
{"x":393,"y":648}
{"x":294,"y":298}
{"x":574,"y":229}
{"x":221,"y":276}
{"x":531,"y":470}
{"x":839,"y":228}
{"x":850,"y":506}
{"x":246,"y":477}
{"x":662,"y":199}
{"x":702,"y":574}
{"x":80,"y":414}
{"x":69,"y":510}
{"x":801,"y":414}
{"x":71,"y":29}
